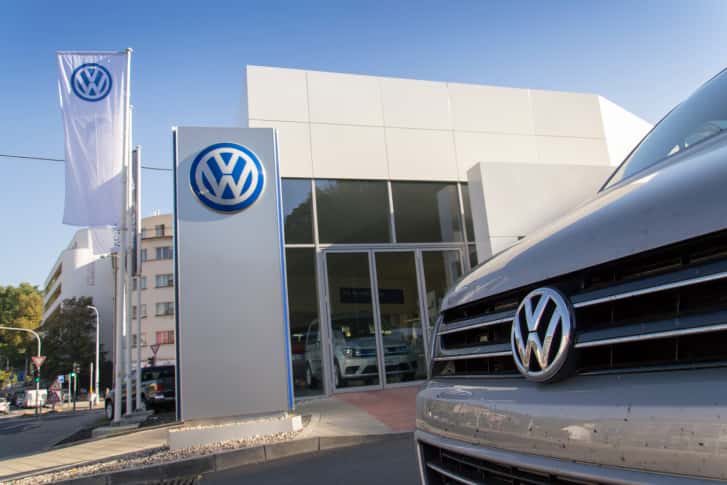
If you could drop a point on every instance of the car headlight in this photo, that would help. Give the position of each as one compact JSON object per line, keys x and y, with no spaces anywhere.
{"x":348,"y":352}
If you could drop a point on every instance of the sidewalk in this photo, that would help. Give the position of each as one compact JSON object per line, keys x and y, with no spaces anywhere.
{"x":349,"y":414}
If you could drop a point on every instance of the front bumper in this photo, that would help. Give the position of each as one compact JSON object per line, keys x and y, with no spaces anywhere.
{"x":664,"y":422}
{"x":442,"y":460}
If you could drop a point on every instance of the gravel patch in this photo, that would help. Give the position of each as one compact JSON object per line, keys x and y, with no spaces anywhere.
{"x":153,"y":456}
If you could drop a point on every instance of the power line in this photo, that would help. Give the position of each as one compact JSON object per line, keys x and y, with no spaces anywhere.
{"x":60,"y":160}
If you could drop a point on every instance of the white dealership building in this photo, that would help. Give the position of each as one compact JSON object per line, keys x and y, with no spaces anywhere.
{"x":392,"y":188}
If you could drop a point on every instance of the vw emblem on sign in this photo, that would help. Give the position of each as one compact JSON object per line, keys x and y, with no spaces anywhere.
{"x":542,"y":335}
{"x":91,"y":82}
{"x":227,"y":177}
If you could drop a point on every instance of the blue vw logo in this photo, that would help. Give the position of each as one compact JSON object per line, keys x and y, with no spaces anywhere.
{"x":91,"y":82}
{"x":227,"y":177}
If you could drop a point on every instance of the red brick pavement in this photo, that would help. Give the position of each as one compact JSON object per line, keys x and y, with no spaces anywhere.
{"x":396,"y":408}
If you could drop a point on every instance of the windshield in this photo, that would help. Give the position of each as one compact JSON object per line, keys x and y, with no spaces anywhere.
{"x":702,"y":116}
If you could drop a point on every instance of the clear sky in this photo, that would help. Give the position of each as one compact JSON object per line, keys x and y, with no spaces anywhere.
{"x":189,"y":59}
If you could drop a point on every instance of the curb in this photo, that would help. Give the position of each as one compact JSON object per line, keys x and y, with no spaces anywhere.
{"x":191,"y":468}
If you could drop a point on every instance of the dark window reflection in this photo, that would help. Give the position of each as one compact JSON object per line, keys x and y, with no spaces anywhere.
{"x":298,"y":212}
{"x":305,"y":340}
{"x":426,"y":212}
{"x":352,"y":211}
{"x":467,"y":213}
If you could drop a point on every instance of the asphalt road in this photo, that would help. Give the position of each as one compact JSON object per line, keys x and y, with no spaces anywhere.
{"x":23,"y":435}
{"x":392,"y":461}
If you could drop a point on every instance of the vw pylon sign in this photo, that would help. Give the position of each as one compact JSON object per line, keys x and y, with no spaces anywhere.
{"x":231,"y":302}
{"x":227,"y":177}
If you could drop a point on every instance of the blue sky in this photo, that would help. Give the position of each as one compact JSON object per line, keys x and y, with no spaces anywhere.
{"x":189,"y":62}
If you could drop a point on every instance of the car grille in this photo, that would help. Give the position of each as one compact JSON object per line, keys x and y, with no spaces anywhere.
{"x":666,"y":308}
{"x":444,"y":467}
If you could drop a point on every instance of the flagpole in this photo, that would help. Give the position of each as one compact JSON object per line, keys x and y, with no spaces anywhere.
{"x":130,"y":236}
{"x":121,"y":269}
{"x":137,"y":235}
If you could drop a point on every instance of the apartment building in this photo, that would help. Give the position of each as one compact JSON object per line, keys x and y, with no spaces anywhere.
{"x":80,"y":272}
{"x":157,"y":291}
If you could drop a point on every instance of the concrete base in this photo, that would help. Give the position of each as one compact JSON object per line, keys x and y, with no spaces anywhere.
{"x":235,"y":430}
{"x":135,"y":417}
{"x":112,"y":430}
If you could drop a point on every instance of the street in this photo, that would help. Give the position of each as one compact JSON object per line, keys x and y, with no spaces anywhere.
{"x":392,"y":461}
{"x":22,"y":435}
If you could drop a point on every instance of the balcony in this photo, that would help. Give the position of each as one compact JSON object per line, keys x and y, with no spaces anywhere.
{"x":157,"y":232}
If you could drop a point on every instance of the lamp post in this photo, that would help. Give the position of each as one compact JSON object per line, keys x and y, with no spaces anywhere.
{"x":98,"y":347}
{"x":37,"y":382}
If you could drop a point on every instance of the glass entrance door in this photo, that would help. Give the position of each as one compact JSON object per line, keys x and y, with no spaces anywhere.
{"x":353,"y":336}
{"x":380,"y":303}
{"x":399,"y":310}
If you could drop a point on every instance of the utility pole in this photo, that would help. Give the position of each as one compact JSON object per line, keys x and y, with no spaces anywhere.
{"x":37,"y":382}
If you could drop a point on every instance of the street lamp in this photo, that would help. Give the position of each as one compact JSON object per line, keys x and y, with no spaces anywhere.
{"x":37,"y":381}
{"x":95,"y":386}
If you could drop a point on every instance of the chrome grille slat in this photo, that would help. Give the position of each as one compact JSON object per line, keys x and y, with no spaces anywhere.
{"x":644,"y":287}
{"x":481,"y":321}
{"x":464,"y":355}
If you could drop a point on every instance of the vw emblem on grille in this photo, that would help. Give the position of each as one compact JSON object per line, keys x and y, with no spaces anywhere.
{"x":542,"y":335}
{"x":227,"y":177}
{"x":91,"y":82}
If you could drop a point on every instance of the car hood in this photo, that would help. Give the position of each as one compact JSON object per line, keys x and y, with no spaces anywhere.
{"x":675,"y":200}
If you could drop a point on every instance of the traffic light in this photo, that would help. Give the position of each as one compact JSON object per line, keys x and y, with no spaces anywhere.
{"x":36,"y":375}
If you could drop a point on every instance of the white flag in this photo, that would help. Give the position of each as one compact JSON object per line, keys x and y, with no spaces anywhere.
{"x":93,"y":95}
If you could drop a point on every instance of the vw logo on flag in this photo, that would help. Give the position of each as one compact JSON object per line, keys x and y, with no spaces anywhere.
{"x":91,"y":82}
{"x":227,"y":177}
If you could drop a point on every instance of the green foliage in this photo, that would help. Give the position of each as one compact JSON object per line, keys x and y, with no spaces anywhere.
{"x":69,"y":336}
{"x":20,"y":307}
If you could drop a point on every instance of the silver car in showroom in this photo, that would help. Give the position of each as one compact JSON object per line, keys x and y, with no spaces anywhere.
{"x":595,"y":349}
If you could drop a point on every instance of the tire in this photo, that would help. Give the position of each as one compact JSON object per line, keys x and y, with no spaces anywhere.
{"x":109,"y":410}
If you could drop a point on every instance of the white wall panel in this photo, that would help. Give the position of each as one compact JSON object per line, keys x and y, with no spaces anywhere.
{"x":566,"y":114}
{"x":293,"y":147}
{"x":350,"y":152}
{"x":276,"y":94}
{"x":420,"y":154}
{"x":522,"y":197}
{"x":623,"y":130}
{"x":490,"y":147}
{"x":579,"y":151}
{"x":491,"y":109}
{"x":415,"y":104}
{"x":344,"y":98}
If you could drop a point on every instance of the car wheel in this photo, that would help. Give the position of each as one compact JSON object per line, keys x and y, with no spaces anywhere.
{"x":109,"y":409}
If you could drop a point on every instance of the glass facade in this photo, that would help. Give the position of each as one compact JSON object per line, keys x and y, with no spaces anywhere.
{"x":352,"y":211}
{"x":298,"y":211}
{"x":384,"y":255}
{"x":305,"y":339}
{"x":426,"y":212}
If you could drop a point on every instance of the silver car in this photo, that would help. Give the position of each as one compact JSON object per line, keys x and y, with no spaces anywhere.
{"x":595,"y":350}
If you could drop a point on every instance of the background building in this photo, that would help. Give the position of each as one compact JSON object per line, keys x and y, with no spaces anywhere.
{"x":380,"y":180}
{"x":79,"y":272}
{"x":157,"y":291}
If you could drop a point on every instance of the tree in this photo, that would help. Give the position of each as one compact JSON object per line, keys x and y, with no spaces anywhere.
{"x":20,"y":307}
{"x":68,"y":337}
